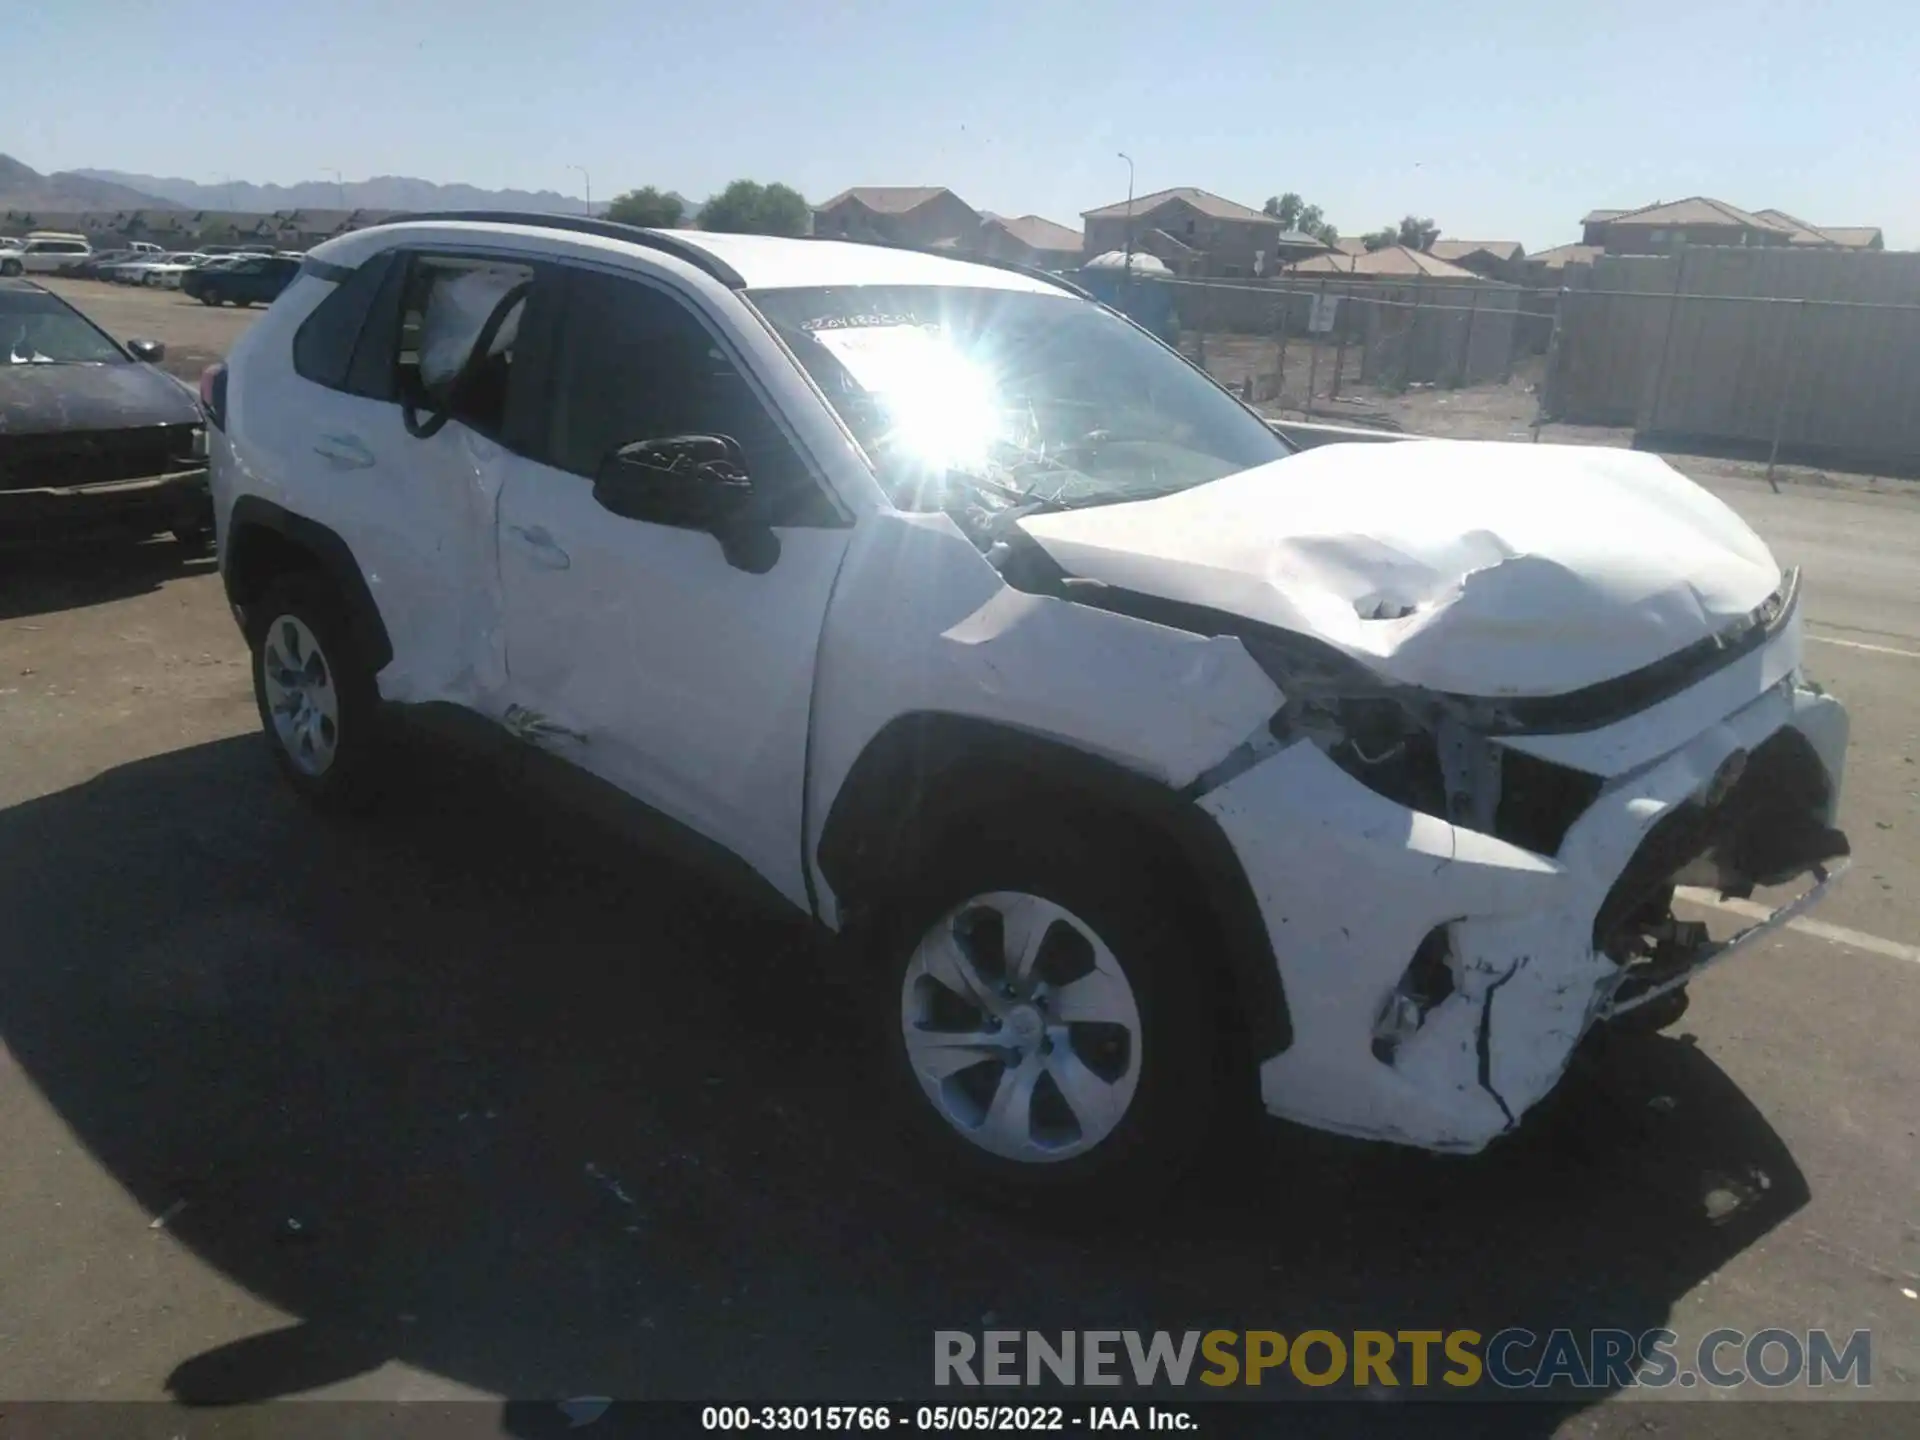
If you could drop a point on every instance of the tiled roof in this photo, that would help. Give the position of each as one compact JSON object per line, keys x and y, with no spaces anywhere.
{"x":888,"y":199}
{"x":1204,"y":201}
{"x":1387,"y":261}
{"x":1037,"y":231}
{"x":1697,"y":210}
{"x":1508,"y":250}
{"x":1561,"y":256}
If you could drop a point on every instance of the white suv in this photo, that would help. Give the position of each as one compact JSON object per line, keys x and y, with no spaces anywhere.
{"x":1135,"y":754}
{"x":44,"y":254}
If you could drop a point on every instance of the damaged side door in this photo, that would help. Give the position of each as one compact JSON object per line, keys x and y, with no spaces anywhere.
{"x":666,"y":556}
{"x":419,"y":431}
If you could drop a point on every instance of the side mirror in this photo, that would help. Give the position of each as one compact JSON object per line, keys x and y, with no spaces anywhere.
{"x":693,"y":482}
{"x":151,"y":351}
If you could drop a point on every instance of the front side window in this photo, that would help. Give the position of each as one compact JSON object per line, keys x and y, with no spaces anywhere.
{"x":634,"y":363}
{"x":1034,"y":396}
{"x":38,"y":329}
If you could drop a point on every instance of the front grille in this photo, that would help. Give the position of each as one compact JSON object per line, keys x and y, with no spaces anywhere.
{"x":29,"y":462}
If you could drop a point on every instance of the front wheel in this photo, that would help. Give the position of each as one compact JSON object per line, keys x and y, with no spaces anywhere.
{"x":1048,"y":1018}
{"x":319,"y":705}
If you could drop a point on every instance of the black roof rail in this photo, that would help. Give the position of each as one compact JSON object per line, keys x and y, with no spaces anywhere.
{"x":665,"y":243}
{"x":1031,"y":272}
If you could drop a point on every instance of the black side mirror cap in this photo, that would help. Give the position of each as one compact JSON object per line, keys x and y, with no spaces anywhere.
{"x":151,"y":351}
{"x":693,"y":482}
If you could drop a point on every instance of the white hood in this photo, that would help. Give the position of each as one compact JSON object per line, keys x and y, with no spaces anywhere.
{"x":1526,"y":569}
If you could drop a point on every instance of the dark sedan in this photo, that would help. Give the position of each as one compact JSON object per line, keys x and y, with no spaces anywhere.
{"x":244,"y":280}
{"x":92,"y":436}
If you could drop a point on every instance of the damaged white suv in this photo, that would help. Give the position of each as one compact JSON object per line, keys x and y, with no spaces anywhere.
{"x":1142,"y":755}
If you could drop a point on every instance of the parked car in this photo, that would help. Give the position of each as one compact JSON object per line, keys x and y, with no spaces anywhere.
{"x":92,"y":435}
{"x":44,"y":253}
{"x":89,"y":267}
{"x":146,"y":247}
{"x":1127,"y":753}
{"x":114,"y":271}
{"x":240,"y":280}
{"x":165,"y":273}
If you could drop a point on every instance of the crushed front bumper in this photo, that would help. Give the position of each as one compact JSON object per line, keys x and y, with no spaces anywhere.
{"x":178,"y":499}
{"x":1352,"y":885}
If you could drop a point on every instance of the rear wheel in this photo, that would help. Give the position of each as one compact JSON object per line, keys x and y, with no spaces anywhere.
{"x":1048,"y":1020}
{"x":319,"y":706}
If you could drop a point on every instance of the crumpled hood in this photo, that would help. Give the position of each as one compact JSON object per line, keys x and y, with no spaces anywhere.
{"x":1502,"y":569}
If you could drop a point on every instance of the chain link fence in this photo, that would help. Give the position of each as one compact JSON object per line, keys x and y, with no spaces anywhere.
{"x":1306,"y":345}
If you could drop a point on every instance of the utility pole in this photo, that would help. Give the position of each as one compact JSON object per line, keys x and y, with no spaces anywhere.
{"x":339,"y":186}
{"x":586,"y":180}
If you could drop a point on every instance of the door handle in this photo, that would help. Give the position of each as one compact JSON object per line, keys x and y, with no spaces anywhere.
{"x":541,"y":547}
{"x":346,"y":451}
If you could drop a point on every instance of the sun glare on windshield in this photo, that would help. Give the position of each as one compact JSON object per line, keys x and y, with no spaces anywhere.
{"x":943,"y":407}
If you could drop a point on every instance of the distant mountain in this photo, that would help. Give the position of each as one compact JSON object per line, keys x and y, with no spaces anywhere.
{"x":383,"y":192}
{"x":24,"y":188}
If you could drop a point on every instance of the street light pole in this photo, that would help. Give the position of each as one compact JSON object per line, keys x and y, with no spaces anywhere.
{"x":587,"y":180}
{"x":1129,"y":232}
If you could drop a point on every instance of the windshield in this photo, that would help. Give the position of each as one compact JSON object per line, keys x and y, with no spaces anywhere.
{"x":1041,"y":396}
{"x":38,"y":329}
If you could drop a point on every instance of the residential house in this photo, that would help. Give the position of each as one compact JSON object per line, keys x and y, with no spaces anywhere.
{"x":1292,"y":246}
{"x":1493,"y":259}
{"x":1546,"y":267}
{"x":923,"y":215}
{"x":1027,"y":240}
{"x":1194,"y":231}
{"x":1388,"y":262}
{"x":1828,"y":237}
{"x":1662,"y":228}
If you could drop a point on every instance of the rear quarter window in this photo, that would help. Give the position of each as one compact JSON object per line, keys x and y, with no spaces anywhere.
{"x":323,"y":345}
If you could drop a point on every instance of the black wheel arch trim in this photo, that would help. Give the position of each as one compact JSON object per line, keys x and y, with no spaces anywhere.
{"x":925,"y":765}
{"x":333,"y":557}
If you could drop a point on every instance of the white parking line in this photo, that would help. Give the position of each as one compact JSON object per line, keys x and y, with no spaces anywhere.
{"x":1818,"y":929}
{"x":1862,"y":645}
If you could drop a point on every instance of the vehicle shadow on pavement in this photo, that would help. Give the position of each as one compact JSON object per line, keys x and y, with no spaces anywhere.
{"x":73,"y":576}
{"x":473,"y":1087}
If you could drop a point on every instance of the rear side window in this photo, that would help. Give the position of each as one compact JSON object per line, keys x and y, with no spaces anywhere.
{"x":323,"y":345}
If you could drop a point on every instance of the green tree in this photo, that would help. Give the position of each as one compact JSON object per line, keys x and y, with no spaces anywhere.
{"x":1416,"y":233}
{"x":746,"y":207}
{"x":1381,"y":238}
{"x":1294,"y":213}
{"x":1286,"y":209}
{"x":648,"y":206}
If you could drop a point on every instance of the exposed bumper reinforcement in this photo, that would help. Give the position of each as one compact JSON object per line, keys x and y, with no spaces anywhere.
{"x":1825,"y":878}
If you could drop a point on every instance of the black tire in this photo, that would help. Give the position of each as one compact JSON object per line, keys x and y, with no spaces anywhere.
{"x":207,"y":297}
{"x":352,"y":781}
{"x":1117,"y":884}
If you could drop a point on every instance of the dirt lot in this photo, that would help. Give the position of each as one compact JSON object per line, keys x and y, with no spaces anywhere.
{"x":469,"y":1099}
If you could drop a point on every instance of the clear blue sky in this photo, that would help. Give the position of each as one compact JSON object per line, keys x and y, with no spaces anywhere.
{"x":1502,"y":119}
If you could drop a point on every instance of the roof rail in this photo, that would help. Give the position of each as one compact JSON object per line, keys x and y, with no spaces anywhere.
{"x":665,"y":243}
{"x":1031,"y":272}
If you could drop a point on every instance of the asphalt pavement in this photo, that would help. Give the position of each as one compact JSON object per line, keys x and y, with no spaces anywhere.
{"x":472,"y":1100}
